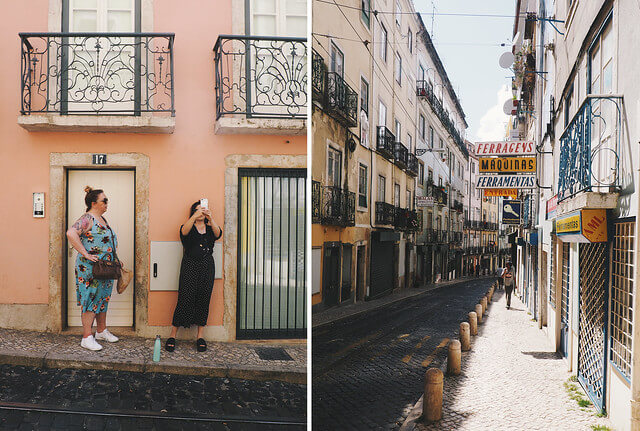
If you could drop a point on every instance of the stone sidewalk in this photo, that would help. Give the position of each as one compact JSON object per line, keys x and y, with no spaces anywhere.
{"x":511,"y":380}
{"x":236,"y":360}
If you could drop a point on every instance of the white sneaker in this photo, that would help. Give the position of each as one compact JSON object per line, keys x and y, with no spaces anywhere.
{"x":90,"y":343}
{"x":106,"y":335}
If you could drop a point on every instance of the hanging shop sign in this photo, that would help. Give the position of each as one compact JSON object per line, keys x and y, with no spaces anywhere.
{"x":506,"y":148}
{"x":511,"y":212}
{"x":505,"y":165}
{"x":425,"y":201}
{"x":492,"y":181}
{"x":583,"y":226}
{"x":496,"y":193}
{"x":552,"y":205}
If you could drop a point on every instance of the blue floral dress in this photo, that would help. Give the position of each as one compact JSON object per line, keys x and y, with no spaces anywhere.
{"x":93,"y":295}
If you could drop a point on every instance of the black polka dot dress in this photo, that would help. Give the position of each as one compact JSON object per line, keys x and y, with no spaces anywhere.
{"x":197,"y":273}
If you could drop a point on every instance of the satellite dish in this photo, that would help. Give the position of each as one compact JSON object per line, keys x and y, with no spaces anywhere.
{"x":506,"y":60}
{"x":510,"y":107}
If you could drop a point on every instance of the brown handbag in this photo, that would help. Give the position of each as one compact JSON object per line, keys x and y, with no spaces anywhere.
{"x":104,"y":269}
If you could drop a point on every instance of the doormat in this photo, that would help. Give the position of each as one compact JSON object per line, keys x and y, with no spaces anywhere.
{"x":273,"y":354}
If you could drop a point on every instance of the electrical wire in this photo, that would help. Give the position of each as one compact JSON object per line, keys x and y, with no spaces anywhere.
{"x":404,"y":44}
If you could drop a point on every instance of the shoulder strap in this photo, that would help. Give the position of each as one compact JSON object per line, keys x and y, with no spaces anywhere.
{"x":115,"y":254}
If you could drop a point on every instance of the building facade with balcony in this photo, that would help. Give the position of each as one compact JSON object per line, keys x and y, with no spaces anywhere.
{"x":185,"y":106}
{"x":581,"y":275}
{"x":440,"y":131}
{"x":364,"y":146}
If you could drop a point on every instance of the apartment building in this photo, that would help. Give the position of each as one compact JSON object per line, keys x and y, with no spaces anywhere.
{"x":141,"y":98}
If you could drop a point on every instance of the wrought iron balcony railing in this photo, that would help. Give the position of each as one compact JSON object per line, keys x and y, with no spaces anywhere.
{"x":316,"y":200}
{"x":319,"y":77}
{"x":400,"y":154}
{"x":341,"y":100}
{"x":457,"y":206}
{"x":400,"y":218}
{"x":425,"y":90}
{"x":413,"y":165}
{"x":590,"y":148}
{"x":261,"y":77}
{"x":385,"y":213}
{"x":385,"y":142}
{"x":96,"y":73}
{"x":338,"y":207}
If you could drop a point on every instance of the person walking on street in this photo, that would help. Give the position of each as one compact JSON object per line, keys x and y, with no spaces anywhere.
{"x":509,"y":282}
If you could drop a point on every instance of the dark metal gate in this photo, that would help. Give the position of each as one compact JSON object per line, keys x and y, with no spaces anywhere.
{"x":381,"y":268}
{"x":594,"y":270}
{"x":271,"y":298}
{"x":564,"y":301}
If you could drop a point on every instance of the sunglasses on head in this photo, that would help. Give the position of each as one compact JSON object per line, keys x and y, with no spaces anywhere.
{"x":105,"y":200}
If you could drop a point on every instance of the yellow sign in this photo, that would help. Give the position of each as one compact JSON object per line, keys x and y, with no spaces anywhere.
{"x":502,"y":165}
{"x":583,"y":226}
{"x":512,"y":193}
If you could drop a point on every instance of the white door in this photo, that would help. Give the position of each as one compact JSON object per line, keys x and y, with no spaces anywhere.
{"x":101,"y":70}
{"x":119,"y":187}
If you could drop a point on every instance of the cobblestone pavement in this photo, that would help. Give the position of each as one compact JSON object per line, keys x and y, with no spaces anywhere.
{"x":368,"y":370}
{"x":238,"y":360}
{"x":237,"y":404}
{"x":511,"y":380}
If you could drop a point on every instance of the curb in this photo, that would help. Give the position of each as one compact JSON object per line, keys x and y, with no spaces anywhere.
{"x":421,"y":292}
{"x":247,"y":373}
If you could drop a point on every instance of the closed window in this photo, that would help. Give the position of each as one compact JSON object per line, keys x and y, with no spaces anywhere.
{"x":381,"y":188}
{"x":421,"y":173}
{"x":334,"y":167}
{"x":431,"y":137}
{"x":365,"y":5}
{"x":421,"y":127}
{"x":396,"y":195}
{"x":337,"y":60}
{"x":398,"y":14}
{"x":364,"y":95}
{"x":362,"y":186}
{"x":398,"y":68}
{"x":383,"y":42}
{"x":279,"y":18}
{"x":410,"y":41}
{"x":382,"y":114}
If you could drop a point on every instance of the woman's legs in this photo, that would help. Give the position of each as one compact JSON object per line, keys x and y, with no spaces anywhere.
{"x":200,"y":331}
{"x":101,"y":321}
{"x":174,"y":332}
{"x":87,"y":318}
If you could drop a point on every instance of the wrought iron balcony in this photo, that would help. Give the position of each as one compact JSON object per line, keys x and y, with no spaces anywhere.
{"x":385,"y":213}
{"x":261,"y":77}
{"x":319,"y":77}
{"x":590,"y":148}
{"x":385,"y":142}
{"x":341,"y":100}
{"x":96,"y":73}
{"x":400,"y":219}
{"x":316,"y":200}
{"x":400,"y":153}
{"x":337,"y":206}
{"x":457,"y":206}
{"x":413,"y":166}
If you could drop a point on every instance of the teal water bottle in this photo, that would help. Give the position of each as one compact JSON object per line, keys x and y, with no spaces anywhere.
{"x":156,"y":349}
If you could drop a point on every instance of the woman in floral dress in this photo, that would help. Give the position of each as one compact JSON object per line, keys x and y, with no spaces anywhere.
{"x":92,"y":237}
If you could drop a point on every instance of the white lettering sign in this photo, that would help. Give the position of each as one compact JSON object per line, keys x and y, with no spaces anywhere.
{"x":424,"y":201}
{"x":506,"y":182}
{"x":506,"y":148}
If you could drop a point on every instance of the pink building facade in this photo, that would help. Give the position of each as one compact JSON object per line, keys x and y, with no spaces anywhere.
{"x":146,"y":99}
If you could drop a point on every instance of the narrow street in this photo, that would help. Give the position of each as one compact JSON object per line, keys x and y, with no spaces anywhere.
{"x":368,"y":370}
{"x":68,"y":399}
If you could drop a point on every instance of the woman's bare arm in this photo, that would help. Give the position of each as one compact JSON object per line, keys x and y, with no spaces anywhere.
{"x":82,"y":225}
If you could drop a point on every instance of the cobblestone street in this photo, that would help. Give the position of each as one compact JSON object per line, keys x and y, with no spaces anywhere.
{"x":110,"y":396}
{"x":511,"y":380}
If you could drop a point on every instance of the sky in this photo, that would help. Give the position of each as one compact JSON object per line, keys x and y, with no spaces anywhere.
{"x":469,"y":50}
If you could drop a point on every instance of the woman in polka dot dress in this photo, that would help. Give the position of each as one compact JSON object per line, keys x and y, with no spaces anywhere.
{"x":197,"y":273}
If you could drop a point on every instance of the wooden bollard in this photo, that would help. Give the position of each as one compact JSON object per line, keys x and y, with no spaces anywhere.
{"x":479,"y":313}
{"x":454,"y":359}
{"x":432,"y":401}
{"x":473,"y":323}
{"x":465,"y":336}
{"x":483,"y":302}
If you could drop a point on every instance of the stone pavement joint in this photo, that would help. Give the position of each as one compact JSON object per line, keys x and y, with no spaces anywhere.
{"x":235,"y":360}
{"x":506,"y":383}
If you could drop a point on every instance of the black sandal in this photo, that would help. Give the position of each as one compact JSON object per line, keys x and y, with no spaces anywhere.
{"x":170,"y":345}
{"x":201,"y":345}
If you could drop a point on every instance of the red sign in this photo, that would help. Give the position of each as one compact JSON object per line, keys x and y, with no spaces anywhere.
{"x":505,"y":148}
{"x":552,"y":204}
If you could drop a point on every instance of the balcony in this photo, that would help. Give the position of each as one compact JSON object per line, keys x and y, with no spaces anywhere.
{"x":400,"y":154}
{"x":385,"y":142}
{"x":319,"y":77}
{"x":316,"y":199}
{"x":439,"y":194}
{"x":385,"y":213}
{"x":101,"y":82}
{"x":413,"y":166}
{"x":425,"y":90}
{"x":589,"y":174}
{"x":401,"y":218}
{"x":337,"y":206}
{"x":457,"y":206}
{"x":441,"y":236}
{"x":341,"y":101}
{"x":261,"y":84}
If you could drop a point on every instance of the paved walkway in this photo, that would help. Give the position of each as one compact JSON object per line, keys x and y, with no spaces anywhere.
{"x":237,"y":360}
{"x":338,"y":313}
{"x":511,"y":380}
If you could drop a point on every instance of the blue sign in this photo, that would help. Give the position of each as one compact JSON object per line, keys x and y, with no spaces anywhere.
{"x":511,"y":212}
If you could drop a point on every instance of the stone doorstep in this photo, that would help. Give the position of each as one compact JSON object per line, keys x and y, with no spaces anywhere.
{"x":248,"y":372}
